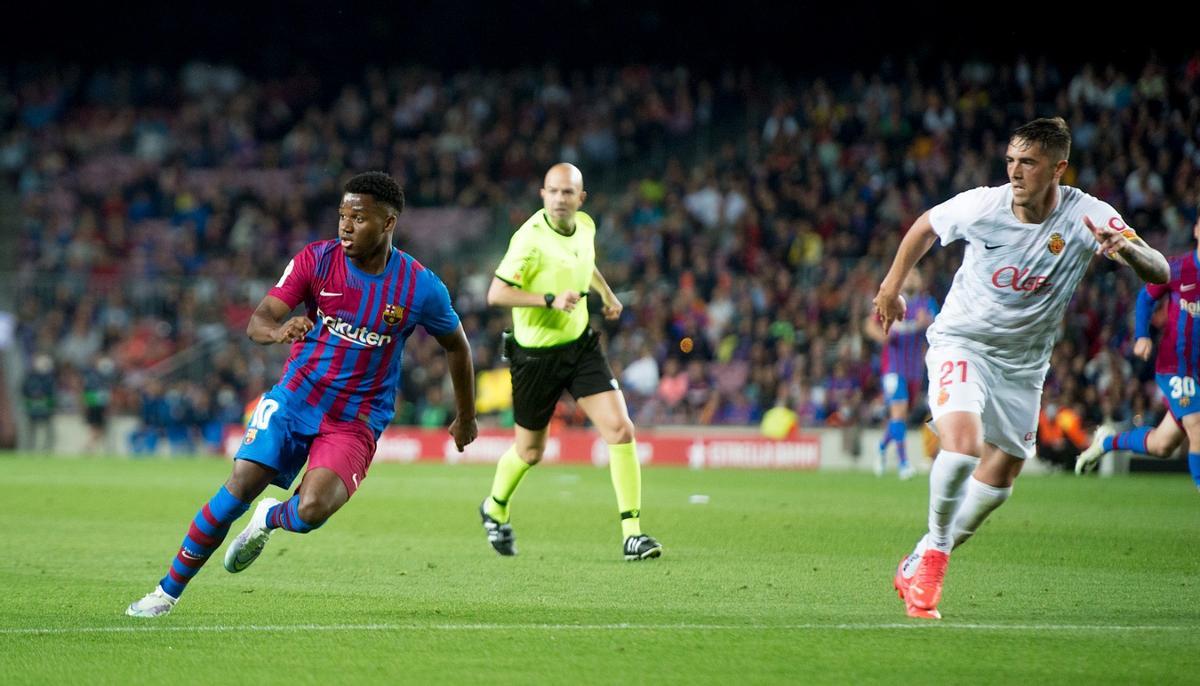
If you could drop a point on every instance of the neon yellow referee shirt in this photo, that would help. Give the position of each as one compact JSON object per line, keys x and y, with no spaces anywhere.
{"x":542,"y":260}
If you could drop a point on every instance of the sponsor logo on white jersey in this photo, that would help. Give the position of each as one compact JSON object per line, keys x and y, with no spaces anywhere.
{"x":1020,"y":281}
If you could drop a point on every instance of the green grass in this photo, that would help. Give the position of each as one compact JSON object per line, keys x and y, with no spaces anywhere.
{"x":781,"y":578}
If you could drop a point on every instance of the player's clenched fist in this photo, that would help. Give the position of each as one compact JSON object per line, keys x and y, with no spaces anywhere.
{"x":293,"y":330}
{"x":613,"y":310}
{"x":464,"y":432}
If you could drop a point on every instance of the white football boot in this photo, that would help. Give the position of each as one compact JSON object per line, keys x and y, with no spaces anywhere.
{"x":246,"y":548}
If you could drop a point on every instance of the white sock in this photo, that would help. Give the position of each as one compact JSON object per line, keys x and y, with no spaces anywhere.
{"x":914,"y":558}
{"x":947,"y":482}
{"x":977,"y":504}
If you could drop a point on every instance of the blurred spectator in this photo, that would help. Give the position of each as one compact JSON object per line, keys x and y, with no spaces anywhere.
{"x":153,"y":418}
{"x":1061,"y":436}
{"x":98,"y":382}
{"x":39,"y":391}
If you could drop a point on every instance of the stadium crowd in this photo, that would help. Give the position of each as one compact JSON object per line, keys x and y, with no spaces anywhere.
{"x":748,"y":213}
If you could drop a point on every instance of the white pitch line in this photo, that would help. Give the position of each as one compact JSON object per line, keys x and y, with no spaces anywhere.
{"x":220,"y":628}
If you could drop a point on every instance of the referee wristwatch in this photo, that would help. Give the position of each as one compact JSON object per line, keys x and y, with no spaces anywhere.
{"x":549,"y":300}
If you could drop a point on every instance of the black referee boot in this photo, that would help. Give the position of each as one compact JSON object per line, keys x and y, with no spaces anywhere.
{"x":499,"y":535}
{"x":641,"y":547}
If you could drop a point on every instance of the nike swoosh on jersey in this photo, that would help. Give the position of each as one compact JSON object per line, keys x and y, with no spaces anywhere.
{"x":992,"y":247}
{"x":323,"y":292}
{"x":1188,"y":287}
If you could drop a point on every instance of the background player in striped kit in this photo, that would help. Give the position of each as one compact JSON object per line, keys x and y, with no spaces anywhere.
{"x":363,"y":299}
{"x":1177,"y":370}
{"x":902,"y":364}
{"x":1029,"y":243}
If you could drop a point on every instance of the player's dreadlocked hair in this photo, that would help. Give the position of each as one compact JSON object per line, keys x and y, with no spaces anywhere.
{"x":1051,"y":133}
{"x":379,"y":185}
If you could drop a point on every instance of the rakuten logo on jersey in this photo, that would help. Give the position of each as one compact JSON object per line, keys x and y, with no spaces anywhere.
{"x":1020,"y":281}
{"x":1191,"y":307}
{"x":345,"y":330}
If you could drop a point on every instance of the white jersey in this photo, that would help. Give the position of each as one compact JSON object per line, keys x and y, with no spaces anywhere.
{"x":1016,"y":279}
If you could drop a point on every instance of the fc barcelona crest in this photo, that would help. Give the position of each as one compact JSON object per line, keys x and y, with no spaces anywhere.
{"x":392,"y":314}
{"x":1056,"y":243}
{"x":251,"y":433}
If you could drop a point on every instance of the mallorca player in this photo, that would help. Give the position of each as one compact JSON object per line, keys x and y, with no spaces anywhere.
{"x":1028,"y":245}
{"x":363,"y":298}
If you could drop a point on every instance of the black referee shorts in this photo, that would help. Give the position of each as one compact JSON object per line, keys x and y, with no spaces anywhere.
{"x":540,"y":375}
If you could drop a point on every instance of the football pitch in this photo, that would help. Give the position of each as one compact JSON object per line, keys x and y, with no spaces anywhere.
{"x":780,"y":577}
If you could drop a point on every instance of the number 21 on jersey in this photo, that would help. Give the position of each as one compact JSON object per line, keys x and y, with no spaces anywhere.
{"x":951,"y":371}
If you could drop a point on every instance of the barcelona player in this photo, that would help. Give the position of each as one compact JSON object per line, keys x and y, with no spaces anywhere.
{"x":363,"y":298}
{"x":903,"y":367}
{"x":1177,"y":370}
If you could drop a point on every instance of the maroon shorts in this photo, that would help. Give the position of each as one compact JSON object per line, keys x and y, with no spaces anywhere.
{"x":345,"y":447}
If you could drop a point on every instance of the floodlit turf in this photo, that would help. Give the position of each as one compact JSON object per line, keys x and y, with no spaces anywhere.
{"x":780,"y":578}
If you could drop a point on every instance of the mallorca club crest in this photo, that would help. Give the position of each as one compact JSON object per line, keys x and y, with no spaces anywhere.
{"x":392,"y":314}
{"x":1056,"y":243}
{"x":943,"y":397}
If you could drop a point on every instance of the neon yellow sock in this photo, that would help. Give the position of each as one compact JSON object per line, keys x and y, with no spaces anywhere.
{"x":509,"y":472}
{"x":627,"y":482}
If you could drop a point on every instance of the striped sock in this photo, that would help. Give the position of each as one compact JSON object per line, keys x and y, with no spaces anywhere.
{"x":285,"y":516}
{"x":204,"y":536}
{"x":1134,"y":439}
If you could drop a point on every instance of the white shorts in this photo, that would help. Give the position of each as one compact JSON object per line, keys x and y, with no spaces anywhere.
{"x":962,"y":381}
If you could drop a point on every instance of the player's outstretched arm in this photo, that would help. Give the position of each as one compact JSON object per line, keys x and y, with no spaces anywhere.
{"x":462,"y":375}
{"x":889,"y":306}
{"x":1148,"y":263}
{"x":267,"y":324}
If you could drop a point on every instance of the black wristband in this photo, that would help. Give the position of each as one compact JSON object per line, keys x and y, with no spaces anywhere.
{"x":549,"y":300}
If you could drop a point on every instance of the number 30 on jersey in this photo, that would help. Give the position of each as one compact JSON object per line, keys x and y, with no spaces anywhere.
{"x":1182,"y":387}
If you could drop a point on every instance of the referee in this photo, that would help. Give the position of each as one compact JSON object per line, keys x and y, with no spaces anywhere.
{"x":549,"y":268}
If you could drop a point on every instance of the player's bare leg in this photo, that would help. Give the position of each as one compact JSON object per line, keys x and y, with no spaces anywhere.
{"x":1161,"y":441}
{"x":321,"y":493}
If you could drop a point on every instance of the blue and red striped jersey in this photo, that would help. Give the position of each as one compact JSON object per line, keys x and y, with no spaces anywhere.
{"x":348,"y":366}
{"x":1179,"y":350}
{"x":904,"y":352}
